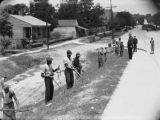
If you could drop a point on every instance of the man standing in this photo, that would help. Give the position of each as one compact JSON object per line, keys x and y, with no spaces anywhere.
{"x":135,"y":41}
{"x":10,"y":113}
{"x":76,"y":63}
{"x":130,"y":46}
{"x":101,"y":57}
{"x":47,"y":74}
{"x":69,"y":70}
{"x":121,"y":49}
{"x":152,"y":45}
{"x":105,"y":54}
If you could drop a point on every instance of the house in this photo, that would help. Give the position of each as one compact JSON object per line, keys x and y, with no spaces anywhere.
{"x":27,"y":27}
{"x":69,"y":28}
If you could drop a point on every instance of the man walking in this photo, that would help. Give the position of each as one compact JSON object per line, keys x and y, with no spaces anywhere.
{"x":152,"y":45}
{"x":130,"y":46}
{"x":76,"y":63}
{"x":8,"y":104}
{"x":69,"y":70}
{"x":135,"y":41}
{"x":47,"y":74}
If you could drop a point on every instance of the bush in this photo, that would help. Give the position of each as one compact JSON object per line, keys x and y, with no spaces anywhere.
{"x":55,"y":35}
{"x":5,"y":43}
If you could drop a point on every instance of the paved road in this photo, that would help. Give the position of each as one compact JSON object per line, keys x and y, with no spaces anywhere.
{"x":137,"y":96}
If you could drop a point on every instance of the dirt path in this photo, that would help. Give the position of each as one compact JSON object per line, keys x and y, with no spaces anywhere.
{"x":89,"y":96}
{"x":29,"y":86}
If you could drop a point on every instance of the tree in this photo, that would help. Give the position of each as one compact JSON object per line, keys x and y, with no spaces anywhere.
{"x":95,"y":16}
{"x":6,"y":30}
{"x":5,"y":25}
{"x":41,"y":9}
{"x":86,"y":13}
{"x":18,"y":9}
{"x":156,"y":18}
{"x":124,"y":19}
{"x":139,"y":18}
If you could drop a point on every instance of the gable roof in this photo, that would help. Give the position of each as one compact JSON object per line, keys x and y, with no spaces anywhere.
{"x":30,"y":20}
{"x":67,"y":23}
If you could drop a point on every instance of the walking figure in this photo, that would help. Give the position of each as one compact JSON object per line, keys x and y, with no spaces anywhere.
{"x":135,"y":42}
{"x":130,"y":46}
{"x":121,"y":49}
{"x":76,"y":63}
{"x":152,"y":45}
{"x":69,"y":70}
{"x":48,"y":75}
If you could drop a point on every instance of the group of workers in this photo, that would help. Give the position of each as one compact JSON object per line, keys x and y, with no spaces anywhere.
{"x":71,"y":65}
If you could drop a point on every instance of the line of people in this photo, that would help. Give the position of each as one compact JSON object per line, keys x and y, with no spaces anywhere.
{"x":48,"y":71}
{"x":132,"y":45}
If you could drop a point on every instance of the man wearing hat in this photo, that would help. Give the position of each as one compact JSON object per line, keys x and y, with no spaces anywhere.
{"x":69,"y":70}
{"x":47,"y":74}
{"x":130,"y":46}
{"x":8,"y":104}
{"x":76,"y":63}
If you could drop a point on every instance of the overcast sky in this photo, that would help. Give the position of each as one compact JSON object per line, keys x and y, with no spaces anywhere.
{"x":133,"y":6}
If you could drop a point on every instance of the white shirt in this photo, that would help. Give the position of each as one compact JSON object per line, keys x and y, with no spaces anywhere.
{"x":47,"y":70}
{"x":68,"y":62}
{"x":1,"y":83}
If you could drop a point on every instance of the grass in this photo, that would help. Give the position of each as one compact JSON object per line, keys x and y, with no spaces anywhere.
{"x":93,"y":90}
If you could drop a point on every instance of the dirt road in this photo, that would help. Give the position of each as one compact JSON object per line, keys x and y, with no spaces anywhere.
{"x":137,"y":96}
{"x":29,"y":86}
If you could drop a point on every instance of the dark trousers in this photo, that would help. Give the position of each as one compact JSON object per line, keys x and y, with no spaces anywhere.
{"x":121,"y":53}
{"x":49,"y":89}
{"x":69,"y":78}
{"x":9,"y":115}
{"x":130,"y":52}
{"x":100,"y":62}
{"x":135,"y":47}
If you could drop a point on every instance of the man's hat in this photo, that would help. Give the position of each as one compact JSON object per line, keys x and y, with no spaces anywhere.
{"x":78,"y":54}
{"x":49,"y":58}
{"x":6,"y":86}
{"x":69,"y":52}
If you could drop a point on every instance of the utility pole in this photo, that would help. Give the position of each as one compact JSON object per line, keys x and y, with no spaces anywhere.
{"x":112,"y":20}
{"x":47,"y":32}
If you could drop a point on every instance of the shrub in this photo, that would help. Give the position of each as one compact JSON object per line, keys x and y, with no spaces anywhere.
{"x":5,"y":43}
{"x":55,"y":35}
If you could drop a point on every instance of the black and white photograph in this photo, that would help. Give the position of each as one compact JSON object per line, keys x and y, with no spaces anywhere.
{"x":79,"y":59}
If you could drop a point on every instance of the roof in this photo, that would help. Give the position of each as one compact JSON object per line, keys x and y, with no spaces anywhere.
{"x":30,"y":20}
{"x":67,"y":23}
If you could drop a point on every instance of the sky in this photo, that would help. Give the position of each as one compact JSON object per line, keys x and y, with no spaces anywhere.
{"x":133,"y":6}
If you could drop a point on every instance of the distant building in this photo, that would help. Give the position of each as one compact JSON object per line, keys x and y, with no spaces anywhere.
{"x":69,"y":28}
{"x":27,"y":27}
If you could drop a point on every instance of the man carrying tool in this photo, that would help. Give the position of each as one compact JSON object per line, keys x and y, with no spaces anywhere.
{"x":47,"y":74}
{"x":69,"y":70}
{"x":9,"y":112}
{"x":76,"y":63}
